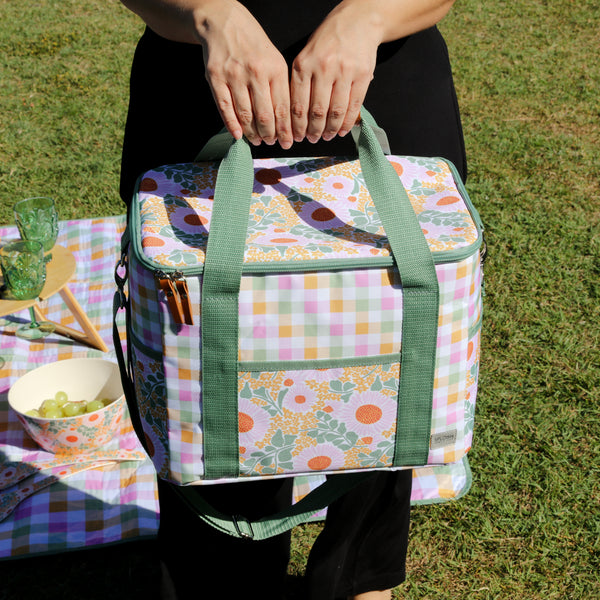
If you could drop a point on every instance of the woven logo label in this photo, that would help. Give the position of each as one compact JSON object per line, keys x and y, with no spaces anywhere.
{"x":440,"y":440}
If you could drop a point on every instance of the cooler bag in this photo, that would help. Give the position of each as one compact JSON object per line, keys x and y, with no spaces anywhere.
{"x":299,"y":316}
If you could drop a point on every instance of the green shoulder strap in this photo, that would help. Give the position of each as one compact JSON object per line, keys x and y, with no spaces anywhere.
{"x":260,"y":529}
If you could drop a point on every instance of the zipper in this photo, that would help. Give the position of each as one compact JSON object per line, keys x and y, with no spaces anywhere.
{"x":182,"y":289}
{"x":175,"y":289}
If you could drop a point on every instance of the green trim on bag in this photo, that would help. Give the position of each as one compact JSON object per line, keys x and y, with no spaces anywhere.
{"x":318,"y":363}
{"x":475,"y":327}
{"x":420,"y":308}
{"x":308,"y":266}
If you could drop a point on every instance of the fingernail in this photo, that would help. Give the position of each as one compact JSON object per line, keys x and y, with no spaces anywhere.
{"x":342,"y":132}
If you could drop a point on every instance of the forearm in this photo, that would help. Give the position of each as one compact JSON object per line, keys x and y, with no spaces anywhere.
{"x":189,"y":21}
{"x":389,"y":20}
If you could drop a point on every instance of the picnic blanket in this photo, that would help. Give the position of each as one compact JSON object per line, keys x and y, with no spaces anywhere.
{"x":99,"y":506}
{"x":117,"y":502}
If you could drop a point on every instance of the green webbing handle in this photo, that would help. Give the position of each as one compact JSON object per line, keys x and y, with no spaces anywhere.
{"x":221,"y":283}
{"x":217,"y":146}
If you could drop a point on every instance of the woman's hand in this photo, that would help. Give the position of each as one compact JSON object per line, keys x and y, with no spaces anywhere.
{"x":248,"y":76}
{"x":331,"y":75}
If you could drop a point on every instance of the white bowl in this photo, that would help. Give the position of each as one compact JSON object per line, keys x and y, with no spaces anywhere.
{"x":82,"y":379}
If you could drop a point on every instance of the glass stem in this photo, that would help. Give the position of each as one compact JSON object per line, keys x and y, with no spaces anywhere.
{"x":34,"y":322}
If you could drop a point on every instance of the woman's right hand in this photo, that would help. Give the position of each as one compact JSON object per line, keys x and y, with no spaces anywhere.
{"x":248,"y":76}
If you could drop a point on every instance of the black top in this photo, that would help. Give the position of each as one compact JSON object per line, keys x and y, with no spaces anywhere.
{"x":172,"y":112}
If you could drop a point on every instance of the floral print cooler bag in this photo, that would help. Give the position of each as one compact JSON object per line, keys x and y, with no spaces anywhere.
{"x":296,"y":317}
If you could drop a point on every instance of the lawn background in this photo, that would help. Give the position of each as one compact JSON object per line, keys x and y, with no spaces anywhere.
{"x":528,"y":79}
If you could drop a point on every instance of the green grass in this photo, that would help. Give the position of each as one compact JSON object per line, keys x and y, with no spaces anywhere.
{"x":528,"y":79}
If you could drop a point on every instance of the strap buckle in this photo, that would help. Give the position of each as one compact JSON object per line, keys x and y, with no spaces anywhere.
{"x":243,"y":527}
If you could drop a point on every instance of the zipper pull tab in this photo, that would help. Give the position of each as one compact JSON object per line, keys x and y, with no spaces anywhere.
{"x":167,"y":286}
{"x":184,"y":297}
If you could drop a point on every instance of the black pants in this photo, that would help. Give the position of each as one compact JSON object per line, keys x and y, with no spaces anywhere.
{"x":361,"y":548}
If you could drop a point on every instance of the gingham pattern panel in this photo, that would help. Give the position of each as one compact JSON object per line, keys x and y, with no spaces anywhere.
{"x":291,"y":316}
{"x":441,"y":482}
{"x":320,"y":315}
{"x":183,"y":375}
{"x":143,"y":295}
{"x":456,"y":318}
{"x":94,"y":507}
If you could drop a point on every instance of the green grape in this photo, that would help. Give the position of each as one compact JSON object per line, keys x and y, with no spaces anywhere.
{"x":107,"y":401}
{"x":33,"y":413}
{"x":72,"y":409}
{"x":48,"y":405}
{"x":94,"y":405}
{"x":54,"y":413}
{"x":61,"y":398}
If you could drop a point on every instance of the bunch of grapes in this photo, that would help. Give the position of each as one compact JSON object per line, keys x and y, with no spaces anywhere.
{"x":60,"y":406}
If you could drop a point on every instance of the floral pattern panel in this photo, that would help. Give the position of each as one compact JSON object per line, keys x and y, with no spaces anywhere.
{"x":308,"y":421}
{"x":303,"y":209}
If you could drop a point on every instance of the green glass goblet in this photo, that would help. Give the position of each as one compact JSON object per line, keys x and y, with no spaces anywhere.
{"x":37,"y":221}
{"x":24,"y":272}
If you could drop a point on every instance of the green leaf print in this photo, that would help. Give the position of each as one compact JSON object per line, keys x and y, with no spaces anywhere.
{"x":431,"y":164}
{"x":367,"y":221}
{"x":469,"y":417}
{"x":419,"y":190}
{"x":188,"y":258}
{"x":185,"y":175}
{"x":295,"y":195}
{"x":274,"y":456}
{"x":273,"y":407}
{"x":246,"y":392}
{"x":331,"y":430}
{"x":377,"y":458}
{"x":261,"y":220}
{"x":344,"y":390}
{"x":453,"y":219}
{"x":172,"y":200}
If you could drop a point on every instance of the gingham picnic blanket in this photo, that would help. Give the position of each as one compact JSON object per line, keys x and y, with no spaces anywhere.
{"x":117,"y":502}
{"x":113,"y":503}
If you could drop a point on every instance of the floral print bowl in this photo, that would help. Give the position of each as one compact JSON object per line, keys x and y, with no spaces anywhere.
{"x":81,"y":379}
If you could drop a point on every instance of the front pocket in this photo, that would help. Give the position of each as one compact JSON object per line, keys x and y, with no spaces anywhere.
{"x":297,"y":421}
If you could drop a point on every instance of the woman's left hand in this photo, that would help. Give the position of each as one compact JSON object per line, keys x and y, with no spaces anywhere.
{"x":331,"y":75}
